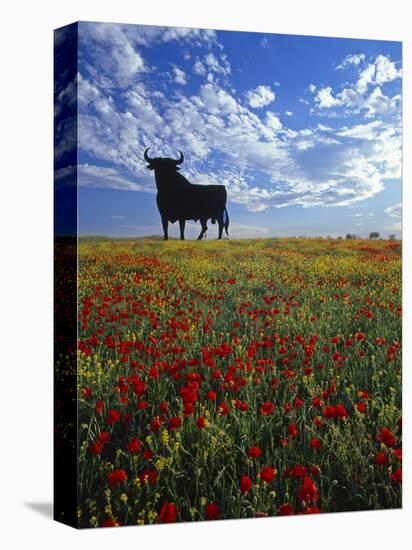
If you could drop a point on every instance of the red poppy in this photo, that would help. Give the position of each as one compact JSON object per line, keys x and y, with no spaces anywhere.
{"x":267,"y":408}
{"x":174,"y":423}
{"x":293,"y":430}
{"x":299,"y":403}
{"x":188,"y":409}
{"x":381,"y":459}
{"x":168,"y":513}
{"x":201,"y":422}
{"x":387,"y":437}
{"x":223,"y":409}
{"x":156,"y":423}
{"x":104,"y":437}
{"x":328,"y":411}
{"x":148,"y":476}
{"x":397,"y":476}
{"x":212,"y":511}
{"x":245,"y":484}
{"x":308,"y":491}
{"x":299,"y":471}
{"x":254,"y":452}
{"x":134,"y":445}
{"x":340,"y":411}
{"x":99,"y":406}
{"x":164,"y":406}
{"x":96,"y":448}
{"x":361,"y":407}
{"x":116,"y":477}
{"x":286,"y":510}
{"x":112,"y":417}
{"x":315,"y":443}
{"x":147,"y":454}
{"x":109,"y":523}
{"x":267,"y":474}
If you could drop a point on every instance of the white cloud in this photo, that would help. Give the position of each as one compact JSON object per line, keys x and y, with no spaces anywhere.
{"x":379,"y":104}
{"x":114,"y":51}
{"x":397,"y":226}
{"x":288,"y":113}
{"x":325,"y":99}
{"x":394,"y":211}
{"x":98,"y":176}
{"x":219,"y":66}
{"x":260,"y":96}
{"x":385,"y":70}
{"x":366,"y":77}
{"x":312,"y":88}
{"x":179,"y":76}
{"x":355,"y":97}
{"x":142,"y":108}
{"x":354,"y":59}
{"x":263,"y":163}
{"x":273,"y":121}
{"x":265,"y":43}
{"x":217,"y":100}
{"x":199,"y":68}
{"x":367,"y":132}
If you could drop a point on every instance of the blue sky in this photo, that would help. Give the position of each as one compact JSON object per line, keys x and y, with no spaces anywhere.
{"x":305,"y":132}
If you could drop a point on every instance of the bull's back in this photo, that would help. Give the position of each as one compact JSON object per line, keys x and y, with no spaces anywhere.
{"x":193,"y":202}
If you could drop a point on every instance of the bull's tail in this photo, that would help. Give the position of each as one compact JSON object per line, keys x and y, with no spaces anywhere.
{"x":226,"y":224}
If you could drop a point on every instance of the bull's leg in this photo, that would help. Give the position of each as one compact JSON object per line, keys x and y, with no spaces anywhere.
{"x":182,"y":229}
{"x":220,"y":223}
{"x":165,"y":223}
{"x":204,"y":229}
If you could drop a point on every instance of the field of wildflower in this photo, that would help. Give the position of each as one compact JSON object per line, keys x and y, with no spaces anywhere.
{"x":237,"y":379}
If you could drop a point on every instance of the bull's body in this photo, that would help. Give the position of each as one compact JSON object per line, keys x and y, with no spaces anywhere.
{"x":179,"y":200}
{"x":194,"y":202}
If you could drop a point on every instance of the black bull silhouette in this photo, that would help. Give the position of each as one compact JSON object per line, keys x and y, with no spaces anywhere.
{"x":178,"y":199}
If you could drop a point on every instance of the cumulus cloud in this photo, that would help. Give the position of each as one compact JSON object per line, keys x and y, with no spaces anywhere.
{"x":219,"y":66}
{"x":325,"y":99}
{"x":379,"y":104}
{"x":353,"y":59}
{"x":273,"y":121}
{"x":385,"y":70}
{"x":199,"y":68}
{"x":365,"y":94}
{"x":366,"y":77}
{"x":260,"y":96}
{"x":179,"y":76}
{"x":263,"y":162}
{"x":113,"y":50}
{"x":217,"y":100}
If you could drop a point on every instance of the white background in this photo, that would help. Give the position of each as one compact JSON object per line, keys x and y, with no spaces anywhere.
{"x":26,"y":271}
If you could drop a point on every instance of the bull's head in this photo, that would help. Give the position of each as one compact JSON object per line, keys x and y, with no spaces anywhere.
{"x":160,"y":163}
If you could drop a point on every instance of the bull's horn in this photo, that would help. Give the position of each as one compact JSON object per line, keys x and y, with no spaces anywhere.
{"x":181,"y":158}
{"x":146,"y":156}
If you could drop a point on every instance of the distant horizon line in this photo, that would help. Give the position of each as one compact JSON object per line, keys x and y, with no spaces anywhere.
{"x":266,"y":237}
